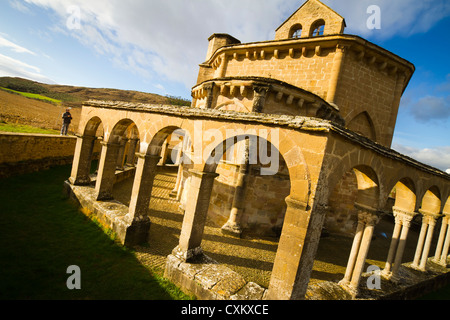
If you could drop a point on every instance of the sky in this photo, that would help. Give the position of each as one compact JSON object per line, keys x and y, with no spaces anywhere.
{"x":156,"y":46}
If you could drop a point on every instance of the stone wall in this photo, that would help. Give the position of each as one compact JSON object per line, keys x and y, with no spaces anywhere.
{"x":22,"y":153}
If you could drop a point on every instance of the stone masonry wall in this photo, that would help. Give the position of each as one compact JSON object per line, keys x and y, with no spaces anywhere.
{"x":21,"y":153}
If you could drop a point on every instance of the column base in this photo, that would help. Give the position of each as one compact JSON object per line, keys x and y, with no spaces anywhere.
{"x":347,"y":287}
{"x":232,"y":229}
{"x":187,"y":255}
{"x":137,"y":232}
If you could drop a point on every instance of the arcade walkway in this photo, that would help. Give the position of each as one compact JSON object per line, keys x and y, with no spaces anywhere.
{"x":251,"y":257}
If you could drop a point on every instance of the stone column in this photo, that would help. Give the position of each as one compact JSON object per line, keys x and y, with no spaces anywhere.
{"x":131,"y":156}
{"x":399,"y":237}
{"x":121,"y":154}
{"x":335,"y":73}
{"x":82,"y":160}
{"x":424,"y":243}
{"x":233,"y":225}
{"x":106,"y":171}
{"x":367,"y":220}
{"x":195,"y":215}
{"x":440,"y":256}
{"x":296,"y":251}
{"x":209,"y":88}
{"x":146,"y":170}
{"x":139,"y":225}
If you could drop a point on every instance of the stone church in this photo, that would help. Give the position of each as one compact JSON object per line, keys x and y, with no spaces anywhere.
{"x":287,"y":138}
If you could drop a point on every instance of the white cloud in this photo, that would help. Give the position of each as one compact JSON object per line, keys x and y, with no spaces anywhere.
{"x":448,"y":171}
{"x":10,"y":67}
{"x":168,"y":39}
{"x":14,"y":47}
{"x":438,"y":157}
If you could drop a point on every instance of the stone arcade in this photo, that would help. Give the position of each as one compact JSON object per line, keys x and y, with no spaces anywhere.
{"x":326,"y":104}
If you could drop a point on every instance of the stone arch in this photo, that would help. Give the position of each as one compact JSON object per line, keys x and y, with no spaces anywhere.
{"x":405,"y":195}
{"x":363,"y":124}
{"x":295,"y":31}
{"x":119,"y":130}
{"x":91,"y":127}
{"x":431,"y":201}
{"x":317,"y":28}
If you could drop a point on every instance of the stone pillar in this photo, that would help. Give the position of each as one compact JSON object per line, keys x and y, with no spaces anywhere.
{"x":106,"y":171}
{"x":195,"y":215}
{"x":137,"y":231}
{"x":131,"y":156}
{"x":121,"y":154}
{"x":82,"y":160}
{"x":367,"y":220}
{"x":296,"y":251}
{"x":424,"y":243}
{"x":233,"y":225}
{"x":442,"y":248}
{"x":397,"y":248}
{"x":335,"y":74}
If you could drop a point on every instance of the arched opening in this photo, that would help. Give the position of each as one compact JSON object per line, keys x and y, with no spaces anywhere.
{"x":317,"y":28}
{"x":296,"y":31}
{"x":87,"y":153}
{"x":358,"y":188}
{"x":431,"y":201}
{"x":248,"y":195}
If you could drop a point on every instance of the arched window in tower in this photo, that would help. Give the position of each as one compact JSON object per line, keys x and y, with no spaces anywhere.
{"x":296,"y":31}
{"x":318,"y":28}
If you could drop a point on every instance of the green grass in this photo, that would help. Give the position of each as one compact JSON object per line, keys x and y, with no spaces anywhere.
{"x":10,"y":127}
{"x":42,"y":233}
{"x":33,"y":96}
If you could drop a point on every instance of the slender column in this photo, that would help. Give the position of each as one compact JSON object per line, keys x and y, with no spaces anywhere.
{"x":444,"y":255}
{"x":233,"y":224}
{"x":419,"y":248}
{"x":121,"y":154}
{"x":82,"y":160}
{"x":426,"y":235}
{"x":440,"y":244}
{"x":143,"y":184}
{"x":106,"y":171}
{"x":401,"y":246}
{"x":353,"y":253}
{"x":131,"y":156}
{"x":396,"y":250}
{"x":367,"y":219}
{"x":394,"y":243}
{"x":195,"y":215}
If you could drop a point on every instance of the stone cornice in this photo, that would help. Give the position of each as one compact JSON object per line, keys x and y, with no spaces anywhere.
{"x":282,"y":121}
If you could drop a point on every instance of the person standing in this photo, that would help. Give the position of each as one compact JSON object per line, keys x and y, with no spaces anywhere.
{"x":67,"y":119}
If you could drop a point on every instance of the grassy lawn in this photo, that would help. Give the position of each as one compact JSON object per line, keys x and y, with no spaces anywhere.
{"x":42,"y":233}
{"x":33,"y":96}
{"x":10,"y":127}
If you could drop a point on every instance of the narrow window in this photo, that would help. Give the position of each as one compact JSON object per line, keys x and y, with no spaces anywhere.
{"x":318,"y":28}
{"x":296,"y":31}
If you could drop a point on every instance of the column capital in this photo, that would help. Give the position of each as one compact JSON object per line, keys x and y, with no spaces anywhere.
{"x":368,"y":215}
{"x":109,"y":144}
{"x":429,"y":217}
{"x":405,"y":217}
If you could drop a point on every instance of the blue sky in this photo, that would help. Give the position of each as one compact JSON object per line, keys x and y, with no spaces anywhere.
{"x":156,"y":45}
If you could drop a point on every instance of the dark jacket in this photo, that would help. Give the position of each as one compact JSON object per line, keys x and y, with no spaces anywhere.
{"x":67,"y":117}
